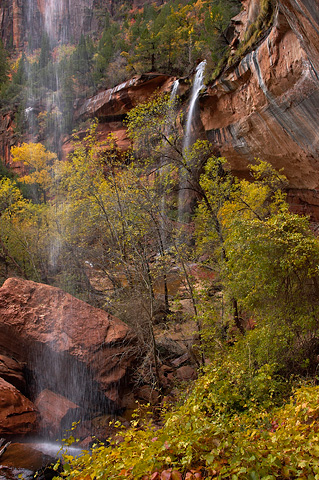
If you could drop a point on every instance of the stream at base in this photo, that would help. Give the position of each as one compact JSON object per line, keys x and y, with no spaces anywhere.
{"x":32,"y":459}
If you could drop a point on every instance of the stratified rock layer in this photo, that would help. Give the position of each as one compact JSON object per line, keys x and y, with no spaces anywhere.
{"x":70,"y":347}
{"x":267,"y":105}
{"x":110,"y":106}
{"x":18,"y":416}
{"x":120,"y":99}
{"x":12,"y":372}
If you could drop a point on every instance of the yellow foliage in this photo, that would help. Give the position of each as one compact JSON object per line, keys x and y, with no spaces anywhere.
{"x":38,"y":160}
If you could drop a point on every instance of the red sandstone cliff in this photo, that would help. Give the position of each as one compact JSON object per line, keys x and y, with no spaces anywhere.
{"x":267,"y":105}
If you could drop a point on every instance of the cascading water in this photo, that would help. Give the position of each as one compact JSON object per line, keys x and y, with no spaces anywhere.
{"x":183,"y":195}
{"x":56,"y":28}
{"x":174,"y":91}
{"x":52,"y":370}
{"x":197,"y":87}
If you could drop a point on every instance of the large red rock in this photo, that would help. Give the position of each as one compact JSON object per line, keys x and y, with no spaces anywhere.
{"x":55,"y":412}
{"x":18,"y":416}
{"x":71,"y":347}
{"x":120,"y":99}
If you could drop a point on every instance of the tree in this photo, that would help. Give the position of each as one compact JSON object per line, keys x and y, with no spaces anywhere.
{"x":271,"y":269}
{"x":121,"y":237}
{"x":4,"y":66}
{"x":20,"y":77}
{"x":38,"y":162}
{"x":16,"y":246}
{"x":45,"y":52}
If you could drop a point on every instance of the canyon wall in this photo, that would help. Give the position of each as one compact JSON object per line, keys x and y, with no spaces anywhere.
{"x":73,"y":17}
{"x":267,"y":105}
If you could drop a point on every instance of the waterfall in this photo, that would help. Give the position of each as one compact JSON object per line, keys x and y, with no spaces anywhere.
{"x":183,"y":194}
{"x":43,"y":109}
{"x":174,"y":90}
{"x":55,"y":11}
{"x":197,"y":86}
{"x":54,"y":371}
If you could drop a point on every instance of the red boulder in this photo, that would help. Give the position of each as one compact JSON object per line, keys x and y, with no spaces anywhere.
{"x":69,"y":346}
{"x":18,"y":416}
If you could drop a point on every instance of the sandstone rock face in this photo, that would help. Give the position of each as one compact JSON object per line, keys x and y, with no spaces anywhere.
{"x":12,"y":372}
{"x":76,"y":350}
{"x":18,"y":416}
{"x":7,"y":137}
{"x":119,"y":100}
{"x":11,"y":22}
{"x":303,"y":18}
{"x":110,"y":107}
{"x":267,"y":106}
{"x":70,"y":18}
{"x":57,"y":412}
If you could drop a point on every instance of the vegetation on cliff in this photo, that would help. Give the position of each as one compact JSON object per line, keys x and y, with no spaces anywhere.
{"x":108,"y":227}
{"x":237,"y":422}
{"x":169,"y":38}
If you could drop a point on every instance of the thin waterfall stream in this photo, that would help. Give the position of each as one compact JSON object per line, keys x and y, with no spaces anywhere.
{"x":183,"y":195}
{"x":197,"y":87}
{"x":58,"y":378}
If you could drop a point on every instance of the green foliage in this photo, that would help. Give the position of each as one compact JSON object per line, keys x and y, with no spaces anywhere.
{"x":4,"y":66}
{"x":221,"y":430}
{"x":271,"y":268}
{"x":234,"y":423}
{"x":175,"y":36}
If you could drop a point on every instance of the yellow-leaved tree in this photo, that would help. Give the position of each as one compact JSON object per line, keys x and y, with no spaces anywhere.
{"x":39,"y":162}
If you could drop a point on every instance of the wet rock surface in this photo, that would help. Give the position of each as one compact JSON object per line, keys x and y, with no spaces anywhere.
{"x":56,"y":412}
{"x":25,"y":461}
{"x":12,"y":372}
{"x":267,"y":105}
{"x":71,"y":348}
{"x":18,"y":415}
